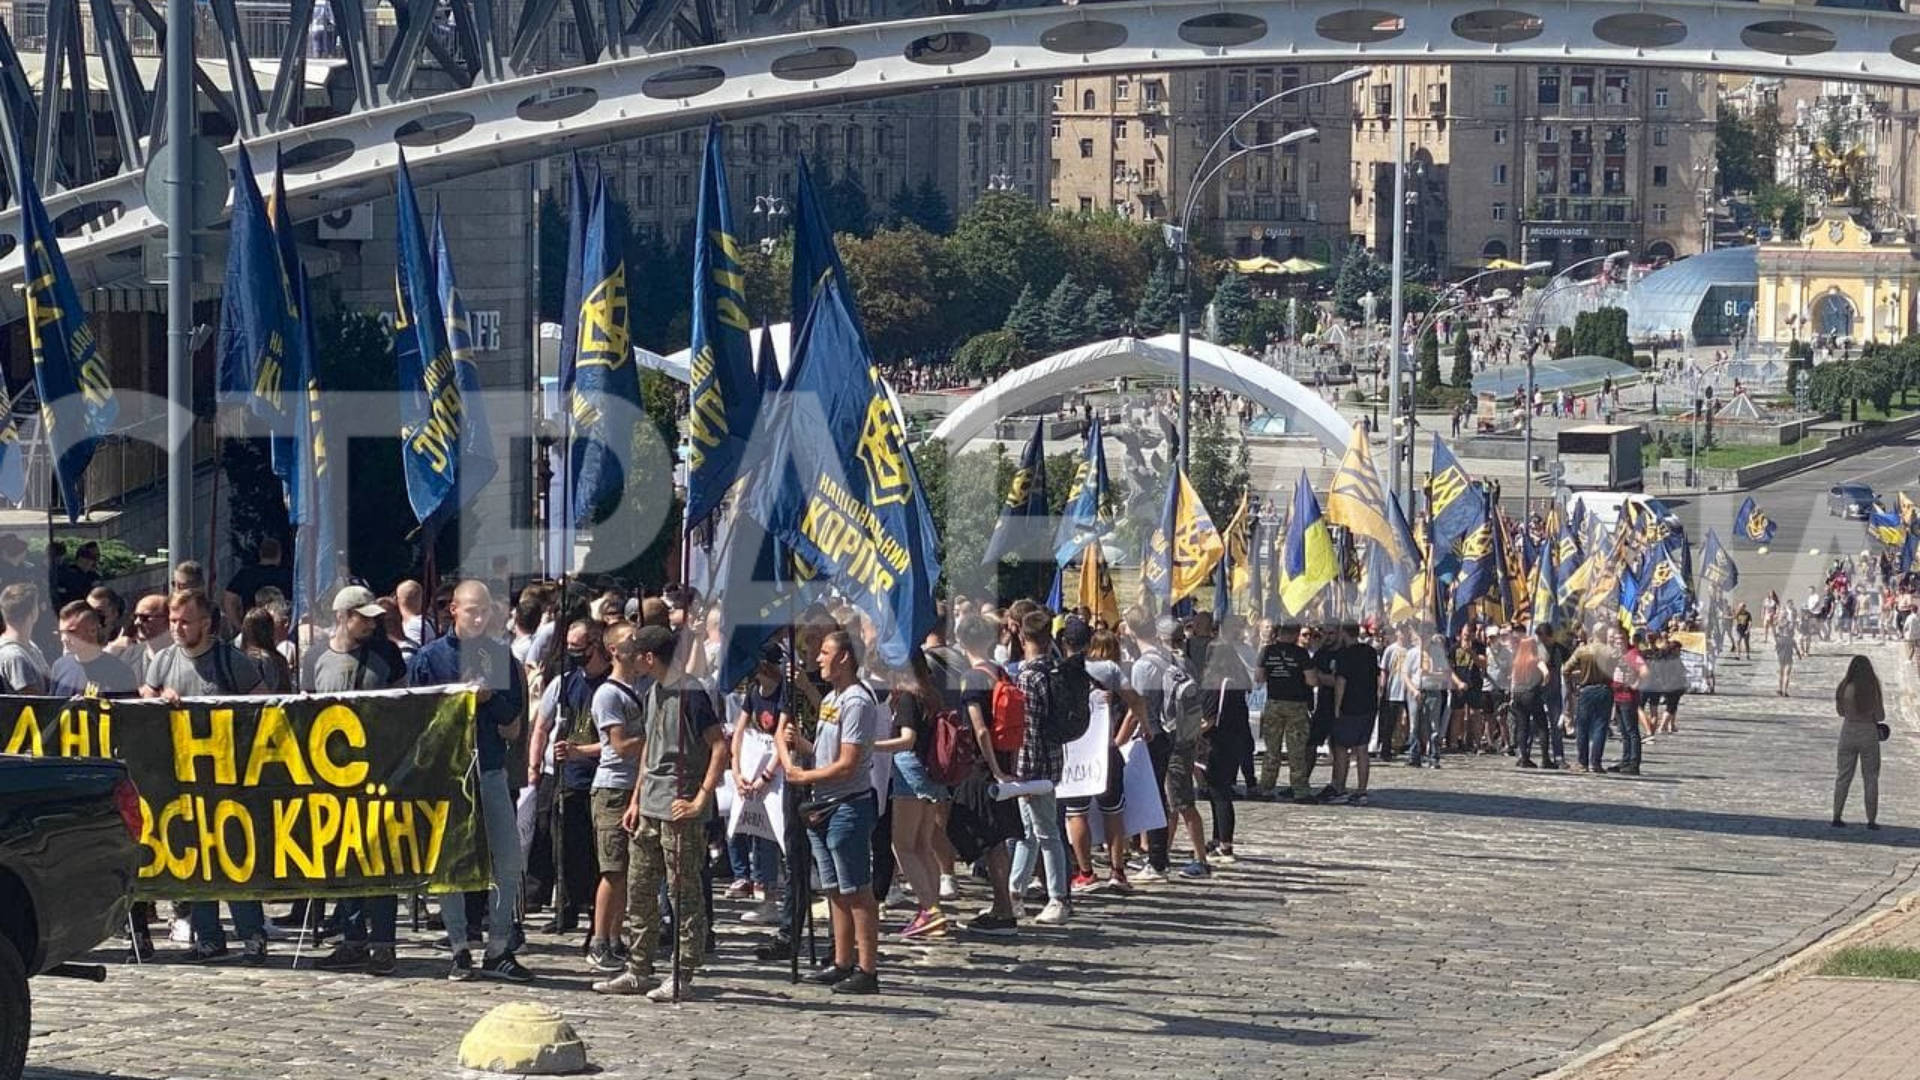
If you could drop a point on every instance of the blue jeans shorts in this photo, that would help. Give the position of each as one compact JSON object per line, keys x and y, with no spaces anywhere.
{"x":911,"y":779}
{"x":843,"y":845}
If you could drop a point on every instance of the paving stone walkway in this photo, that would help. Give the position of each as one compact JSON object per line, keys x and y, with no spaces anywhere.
{"x":1476,"y":921}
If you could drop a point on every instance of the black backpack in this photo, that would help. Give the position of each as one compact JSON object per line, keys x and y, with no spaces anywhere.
{"x":1069,"y":710}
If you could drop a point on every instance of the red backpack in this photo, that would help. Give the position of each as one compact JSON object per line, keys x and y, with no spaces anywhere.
{"x":1007,"y":722}
{"x":955,"y":751}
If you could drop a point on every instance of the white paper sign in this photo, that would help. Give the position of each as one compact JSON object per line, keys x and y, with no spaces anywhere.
{"x":1144,"y":812}
{"x":1086,"y":757}
{"x":764,"y":813}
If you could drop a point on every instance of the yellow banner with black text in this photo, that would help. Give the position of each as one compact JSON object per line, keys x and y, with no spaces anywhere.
{"x":283,"y":797}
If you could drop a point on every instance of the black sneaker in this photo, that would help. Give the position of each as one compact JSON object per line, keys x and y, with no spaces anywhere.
{"x":859,"y":982}
{"x":505,"y":968}
{"x":204,"y":952}
{"x":462,"y":968}
{"x":1527,"y":763}
{"x":778,"y":947}
{"x":380,"y":960}
{"x":600,"y":958}
{"x":829,"y":975}
{"x":993,"y":925}
{"x":140,"y":950}
{"x":347,"y":956}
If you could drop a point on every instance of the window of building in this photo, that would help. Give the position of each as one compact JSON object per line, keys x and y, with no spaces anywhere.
{"x":1059,"y":91}
{"x":1659,"y":136}
{"x":1659,"y":213}
{"x":1199,"y":91}
{"x":1502,"y":93}
{"x":1614,"y":87}
{"x":644,"y":191}
{"x":1579,"y":180}
{"x":1659,"y":176}
{"x":1313,"y":170}
{"x":1614,"y":212}
{"x":1151,"y":90}
{"x":1499,"y":211}
{"x":1122,"y":90}
{"x":1086,"y":204}
{"x":1660,"y":97}
{"x":973,"y":99}
{"x":1549,"y":86}
{"x":1120,"y":130}
{"x":1499,"y":136}
{"x":1289,"y":78}
{"x":882,"y":140}
{"x":686,"y":143}
{"x":1029,"y":141}
{"x":1001,"y":96}
{"x":1613,"y":180}
{"x":856,"y":143}
{"x":1500,"y":175}
{"x":1149,"y":172}
{"x":1053,"y":128}
{"x":682,"y":190}
{"x":1580,"y":87}
{"x":1086,"y":101}
{"x":1237,"y":88}
{"x":822,"y":140}
{"x":1262,"y":86}
{"x":1029,"y":100}
{"x":1086,"y":148}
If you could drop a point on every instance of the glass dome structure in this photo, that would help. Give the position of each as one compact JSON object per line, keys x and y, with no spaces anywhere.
{"x":1707,"y":298}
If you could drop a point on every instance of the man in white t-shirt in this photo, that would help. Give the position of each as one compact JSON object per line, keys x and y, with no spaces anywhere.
{"x":1393,"y":691}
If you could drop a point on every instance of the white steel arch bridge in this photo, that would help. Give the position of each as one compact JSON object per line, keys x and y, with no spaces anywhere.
{"x":498,"y":118}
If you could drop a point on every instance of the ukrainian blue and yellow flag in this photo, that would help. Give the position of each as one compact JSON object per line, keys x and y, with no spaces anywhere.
{"x":1024,"y":513}
{"x":1544,"y":590}
{"x":1184,"y":548}
{"x":1232,"y":575}
{"x":311,"y":508}
{"x":1753,"y":525}
{"x":1457,"y":506}
{"x":1565,"y":557}
{"x":1717,"y":570}
{"x":1886,"y":527}
{"x":77,"y":402}
{"x":723,"y":393}
{"x":1308,"y":562}
{"x":1481,"y":568}
{"x":1356,"y":498}
{"x":606,"y":386}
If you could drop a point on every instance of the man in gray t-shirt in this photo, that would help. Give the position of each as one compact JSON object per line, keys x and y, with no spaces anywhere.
{"x":621,"y":722}
{"x":23,"y":667}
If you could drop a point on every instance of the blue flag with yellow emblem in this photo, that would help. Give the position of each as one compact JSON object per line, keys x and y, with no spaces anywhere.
{"x":1184,"y":547}
{"x":258,"y":364}
{"x":815,"y":259}
{"x":723,"y":392}
{"x":1482,"y":567}
{"x":1717,"y":570}
{"x":477,"y":463}
{"x":1456,"y":505}
{"x":1025,"y":508}
{"x":311,"y":505}
{"x":1084,"y":519}
{"x":1661,"y":593}
{"x":605,"y":401}
{"x":1751,"y":524}
{"x":77,"y":402}
{"x":1307,"y":561}
{"x":844,"y":494}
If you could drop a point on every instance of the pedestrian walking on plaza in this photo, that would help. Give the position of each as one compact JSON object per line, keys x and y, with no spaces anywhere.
{"x":1863,"y":724}
{"x":1783,"y":649}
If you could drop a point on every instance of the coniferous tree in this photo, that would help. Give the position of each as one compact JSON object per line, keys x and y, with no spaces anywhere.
{"x":1430,"y":360}
{"x":1232,"y":304}
{"x":1104,"y":316}
{"x":1027,"y":320}
{"x":1159,"y":307}
{"x":1066,"y":314}
{"x":1462,"y":358}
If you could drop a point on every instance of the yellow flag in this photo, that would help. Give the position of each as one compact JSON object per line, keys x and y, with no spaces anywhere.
{"x":1307,"y":563}
{"x":1239,"y":567}
{"x":1355,"y":499}
{"x":1183,"y":550}
{"x":1096,"y":586}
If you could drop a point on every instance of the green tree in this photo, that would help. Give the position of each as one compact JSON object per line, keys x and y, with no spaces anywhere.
{"x":1783,"y":207}
{"x":1359,"y":275}
{"x":1879,"y":378}
{"x":1159,"y":308}
{"x":553,"y":258}
{"x":1430,"y":360}
{"x":894,"y":274}
{"x":1743,"y":151}
{"x":1027,"y":320}
{"x":1109,"y":250}
{"x":848,"y":209}
{"x":1267,"y":322}
{"x":1001,"y":245}
{"x":1066,"y":314}
{"x":1232,"y":305}
{"x":1562,"y":343}
{"x":924,"y":207}
{"x":1218,"y":468}
{"x":1462,"y":357}
{"x":649,"y":472}
{"x":989,"y":355}
{"x":256,"y":502}
{"x":1104,"y":315}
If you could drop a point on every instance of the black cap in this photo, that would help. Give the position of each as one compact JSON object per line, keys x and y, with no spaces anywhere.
{"x":1076,"y":634}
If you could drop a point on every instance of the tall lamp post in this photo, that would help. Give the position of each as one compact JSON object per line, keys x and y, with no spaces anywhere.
{"x":1177,"y":238}
{"x":774,"y":209}
{"x":1533,"y":323}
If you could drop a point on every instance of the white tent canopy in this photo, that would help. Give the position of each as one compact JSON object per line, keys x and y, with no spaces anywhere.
{"x":679,"y":366}
{"x":1062,"y":373}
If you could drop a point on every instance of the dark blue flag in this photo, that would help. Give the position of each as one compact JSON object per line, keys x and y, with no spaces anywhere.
{"x":477,"y":463}
{"x":815,"y":259}
{"x":1661,"y":596}
{"x":1480,"y":567}
{"x":579,"y":209}
{"x":1083,"y":520}
{"x":1457,"y":505}
{"x":77,"y":401}
{"x":723,"y":392}
{"x":1716,"y":566}
{"x":767,"y":366}
{"x":846,"y":496}
{"x":1025,"y":508}
{"x":258,"y":320}
{"x":311,"y":506}
{"x":606,"y":386}
{"x":433,"y":417}
{"x":1753,"y":525}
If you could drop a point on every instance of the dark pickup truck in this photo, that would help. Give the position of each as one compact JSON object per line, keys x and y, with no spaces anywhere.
{"x":69,"y":851}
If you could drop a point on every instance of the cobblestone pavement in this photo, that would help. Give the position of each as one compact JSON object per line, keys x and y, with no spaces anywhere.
{"x":1476,"y":921}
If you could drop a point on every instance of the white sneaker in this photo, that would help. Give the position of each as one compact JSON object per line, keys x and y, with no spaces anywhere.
{"x":766,"y":911}
{"x":897,"y":898}
{"x":1054,"y":914}
{"x":181,"y":932}
{"x":948,"y":889}
{"x":664,"y":992}
{"x":1148,"y":874}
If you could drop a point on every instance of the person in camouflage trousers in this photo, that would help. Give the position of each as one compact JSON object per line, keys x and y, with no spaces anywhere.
{"x":1285,"y":722}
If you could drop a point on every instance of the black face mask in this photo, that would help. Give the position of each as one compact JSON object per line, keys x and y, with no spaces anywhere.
{"x":577,"y":659}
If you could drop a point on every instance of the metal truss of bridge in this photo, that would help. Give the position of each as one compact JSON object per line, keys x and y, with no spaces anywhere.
{"x":496,"y":111}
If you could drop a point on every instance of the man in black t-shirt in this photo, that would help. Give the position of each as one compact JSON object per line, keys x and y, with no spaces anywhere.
{"x":1356,"y":700}
{"x":1284,"y":722}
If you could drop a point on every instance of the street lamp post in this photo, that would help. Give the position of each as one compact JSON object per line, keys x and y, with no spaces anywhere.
{"x":774,"y":209}
{"x":1127,"y":177}
{"x":1177,"y":238}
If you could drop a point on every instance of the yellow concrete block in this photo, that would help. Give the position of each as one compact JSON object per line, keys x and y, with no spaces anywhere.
{"x":524,"y":1039}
